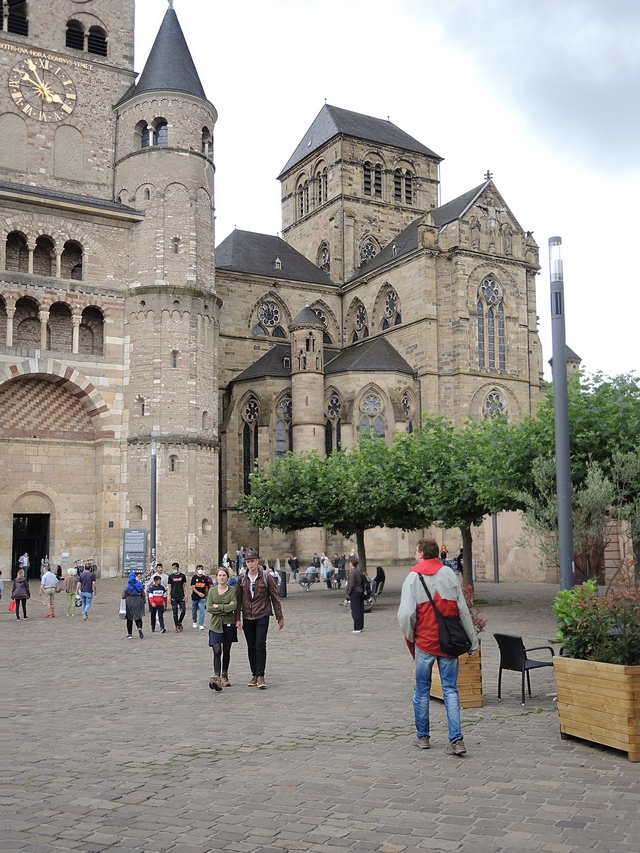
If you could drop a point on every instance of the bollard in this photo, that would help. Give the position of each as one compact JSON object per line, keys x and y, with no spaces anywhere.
{"x":283,"y":584}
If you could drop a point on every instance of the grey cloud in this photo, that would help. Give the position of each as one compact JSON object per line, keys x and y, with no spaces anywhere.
{"x":571,"y":67}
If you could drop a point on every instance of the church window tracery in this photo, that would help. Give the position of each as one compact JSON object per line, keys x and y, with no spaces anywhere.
{"x":391,"y":315}
{"x":360,"y":329}
{"x":332,"y":427}
{"x":324,"y":257}
{"x":369,"y":250}
{"x":269,"y":314}
{"x":284,"y":428}
{"x":494,"y":406}
{"x":371,"y":415}
{"x":408,"y":409}
{"x":491,"y":326}
{"x":249,"y":440}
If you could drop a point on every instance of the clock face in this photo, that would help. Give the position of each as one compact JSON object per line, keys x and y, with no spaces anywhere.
{"x":42,"y":89}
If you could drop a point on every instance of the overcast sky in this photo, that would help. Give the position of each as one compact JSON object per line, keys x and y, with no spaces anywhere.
{"x":544,"y":93}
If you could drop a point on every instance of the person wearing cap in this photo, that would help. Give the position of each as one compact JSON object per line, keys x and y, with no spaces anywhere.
{"x":157,"y":595}
{"x":256,"y":594}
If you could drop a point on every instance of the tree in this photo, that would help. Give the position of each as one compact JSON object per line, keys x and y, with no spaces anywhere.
{"x":347,"y":492}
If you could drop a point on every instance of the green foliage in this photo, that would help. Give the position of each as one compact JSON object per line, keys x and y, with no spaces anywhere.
{"x":605,"y":627}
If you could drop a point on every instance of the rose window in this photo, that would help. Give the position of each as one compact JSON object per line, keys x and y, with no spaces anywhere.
{"x":369,"y":250}
{"x":494,"y":405}
{"x":269,"y":314}
{"x":333,"y":406}
{"x":390,"y":304}
{"x":251,"y":410}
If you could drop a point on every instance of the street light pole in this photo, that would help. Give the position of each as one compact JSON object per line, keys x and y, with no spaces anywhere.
{"x":152,"y":504}
{"x":561,"y":414}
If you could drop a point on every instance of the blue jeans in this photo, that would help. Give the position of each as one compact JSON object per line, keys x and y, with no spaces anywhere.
{"x":197,"y":611}
{"x":87,"y":598}
{"x":449,"y":677}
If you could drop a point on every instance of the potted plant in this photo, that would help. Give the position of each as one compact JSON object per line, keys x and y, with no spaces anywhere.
{"x":470,"y":668}
{"x":598,"y":676}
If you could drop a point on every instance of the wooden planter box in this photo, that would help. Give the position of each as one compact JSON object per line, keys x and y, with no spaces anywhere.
{"x":599,"y":702}
{"x":469,"y":680}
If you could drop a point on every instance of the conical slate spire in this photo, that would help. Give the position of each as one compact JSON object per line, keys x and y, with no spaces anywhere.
{"x":170,"y":66}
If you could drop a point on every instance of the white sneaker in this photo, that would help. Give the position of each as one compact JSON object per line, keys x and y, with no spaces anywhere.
{"x":195,"y":624}
{"x":201,"y":627}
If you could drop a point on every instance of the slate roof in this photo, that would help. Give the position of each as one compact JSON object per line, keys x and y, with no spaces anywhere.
{"x":169,"y":66}
{"x":571,"y":355}
{"x":249,"y":252}
{"x":269,"y":364}
{"x":308,"y":317}
{"x":456,"y":208}
{"x":70,"y":198}
{"x":370,"y":355}
{"x":407,"y":240}
{"x":333,"y":121}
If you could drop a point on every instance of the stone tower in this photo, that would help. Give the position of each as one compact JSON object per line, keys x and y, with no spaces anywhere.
{"x":307,"y":402}
{"x":352,"y":184}
{"x":164,"y":167}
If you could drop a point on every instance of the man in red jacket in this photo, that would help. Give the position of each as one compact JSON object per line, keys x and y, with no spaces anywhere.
{"x":419,"y":625}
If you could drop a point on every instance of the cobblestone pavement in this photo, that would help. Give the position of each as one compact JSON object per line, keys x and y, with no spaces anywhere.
{"x":120,"y":745}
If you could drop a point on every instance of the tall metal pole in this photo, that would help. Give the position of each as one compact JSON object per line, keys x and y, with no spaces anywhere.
{"x":561,"y":414}
{"x":152,"y":502}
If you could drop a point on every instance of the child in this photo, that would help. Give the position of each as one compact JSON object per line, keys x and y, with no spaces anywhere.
{"x":157,"y":602}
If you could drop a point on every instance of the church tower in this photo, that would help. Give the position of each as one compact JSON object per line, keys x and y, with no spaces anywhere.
{"x":164,"y":167}
{"x":353,"y":183}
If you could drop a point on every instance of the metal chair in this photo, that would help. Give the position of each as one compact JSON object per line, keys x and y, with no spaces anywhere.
{"x":513,"y":656}
{"x":376,"y":590}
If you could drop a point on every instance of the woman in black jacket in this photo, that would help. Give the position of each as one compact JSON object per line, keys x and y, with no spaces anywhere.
{"x":20,"y":592}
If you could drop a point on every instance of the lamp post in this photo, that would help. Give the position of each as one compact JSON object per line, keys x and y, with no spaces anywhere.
{"x":561,"y":414}
{"x":152,"y":504}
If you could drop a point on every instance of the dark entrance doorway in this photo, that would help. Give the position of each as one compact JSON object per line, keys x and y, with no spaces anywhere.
{"x":30,"y":534}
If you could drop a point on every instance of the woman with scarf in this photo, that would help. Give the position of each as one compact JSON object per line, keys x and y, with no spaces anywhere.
{"x":133,"y":595}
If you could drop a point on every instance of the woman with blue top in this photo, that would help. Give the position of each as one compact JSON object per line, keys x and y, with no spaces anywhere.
{"x":133,"y":595}
{"x":221,"y":604}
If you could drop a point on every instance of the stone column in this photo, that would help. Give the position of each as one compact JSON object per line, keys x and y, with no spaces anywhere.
{"x":10,"y":314}
{"x":58,"y":253}
{"x":75,"y":322}
{"x":43,"y":316}
{"x":31,"y":247}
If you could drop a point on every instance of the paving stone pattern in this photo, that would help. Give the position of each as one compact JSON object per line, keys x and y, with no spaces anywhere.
{"x":120,"y":745}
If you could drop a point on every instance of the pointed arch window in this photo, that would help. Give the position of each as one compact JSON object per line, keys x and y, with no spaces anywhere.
{"x":369,"y":250}
{"x":391,"y":315}
{"x":332,"y":426}
{"x":371,"y":415}
{"x":408,"y":408}
{"x":360,"y":329}
{"x":284,"y":428}
{"x":324,"y":257}
{"x":494,"y":406}
{"x":491,"y":326}
{"x":249,"y":441}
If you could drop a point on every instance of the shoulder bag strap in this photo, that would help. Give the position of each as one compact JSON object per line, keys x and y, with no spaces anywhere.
{"x":426,"y":589}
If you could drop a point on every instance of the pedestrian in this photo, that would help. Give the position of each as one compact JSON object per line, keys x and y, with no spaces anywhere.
{"x":444,"y":553}
{"x":1,"y":586}
{"x":276,"y":576}
{"x":378,"y":582}
{"x":419,"y":625}
{"x":48,"y":589}
{"x":23,"y":563}
{"x":59,"y":572}
{"x":221,"y":604}
{"x":326,"y":568}
{"x":460,"y":561}
{"x":226,"y":561}
{"x":44,"y":564}
{"x":294,"y":566}
{"x":20,"y":592}
{"x":86,"y":588}
{"x":257,"y":594}
{"x":355,"y":594}
{"x":69,"y":586}
{"x":133,"y":594}
{"x":176,"y":584}
{"x":157,"y":597}
{"x":200,"y":586}
{"x":164,"y":577}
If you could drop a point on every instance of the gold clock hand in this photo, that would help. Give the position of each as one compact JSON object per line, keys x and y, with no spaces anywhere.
{"x":32,"y":67}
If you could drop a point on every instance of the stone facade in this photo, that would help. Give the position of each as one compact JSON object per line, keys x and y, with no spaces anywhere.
{"x":117,"y":334}
{"x":108,"y":312}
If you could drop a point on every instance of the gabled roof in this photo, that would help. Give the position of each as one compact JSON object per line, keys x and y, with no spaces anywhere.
{"x":169,"y":66}
{"x":372,"y":355}
{"x":67,"y":199}
{"x":257,"y":254}
{"x":456,"y":208}
{"x":333,"y":121}
{"x":269,"y":364}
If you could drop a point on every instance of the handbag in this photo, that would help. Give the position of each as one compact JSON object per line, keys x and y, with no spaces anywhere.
{"x":12,"y":606}
{"x":453,"y":638}
{"x":122,"y":610}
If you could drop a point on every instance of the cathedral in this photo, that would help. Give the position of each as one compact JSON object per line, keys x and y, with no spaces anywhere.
{"x":142,"y":374}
